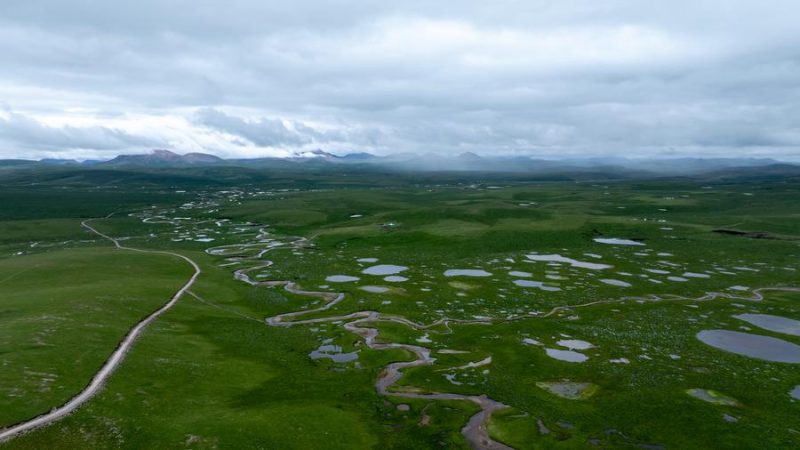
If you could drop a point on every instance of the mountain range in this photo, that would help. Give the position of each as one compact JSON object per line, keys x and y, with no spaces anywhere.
{"x":421,"y":162}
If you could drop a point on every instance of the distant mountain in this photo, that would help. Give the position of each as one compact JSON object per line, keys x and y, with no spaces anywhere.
{"x":58,"y":162}
{"x":600,"y":167}
{"x":469,"y":156}
{"x":314,"y":154}
{"x":164,"y":158}
{"x":359,"y":157}
{"x":16,"y":163}
{"x":754,"y":172}
{"x":683,"y":165}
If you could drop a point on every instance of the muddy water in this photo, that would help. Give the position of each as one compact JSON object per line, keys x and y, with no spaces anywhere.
{"x":475,"y":431}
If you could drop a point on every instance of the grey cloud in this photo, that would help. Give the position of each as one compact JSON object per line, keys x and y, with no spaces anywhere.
{"x":30,"y":134}
{"x":534,"y":76}
{"x":268,"y":132}
{"x":262,"y":132}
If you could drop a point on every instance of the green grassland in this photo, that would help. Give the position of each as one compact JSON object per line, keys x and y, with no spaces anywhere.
{"x":212,"y":374}
{"x":63,"y":312}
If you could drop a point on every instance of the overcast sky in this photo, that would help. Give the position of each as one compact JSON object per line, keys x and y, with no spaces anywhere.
{"x":92,"y":79}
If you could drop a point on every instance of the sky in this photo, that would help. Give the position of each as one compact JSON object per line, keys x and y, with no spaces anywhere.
{"x":248,"y":78}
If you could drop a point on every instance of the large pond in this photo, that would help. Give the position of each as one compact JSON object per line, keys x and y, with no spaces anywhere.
{"x":752,"y":345}
{"x":375,"y":289}
{"x":341,"y":278}
{"x":617,"y":241}
{"x":535,"y":284}
{"x":777,"y":324}
{"x":614,"y":282}
{"x":384,"y":269}
{"x":570,"y":261}
{"x":575,"y":344}
{"x":566,"y":355}
{"x":466,"y":273}
{"x":395,"y":279}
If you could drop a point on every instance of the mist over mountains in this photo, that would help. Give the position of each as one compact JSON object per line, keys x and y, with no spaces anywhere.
{"x":413,"y":162}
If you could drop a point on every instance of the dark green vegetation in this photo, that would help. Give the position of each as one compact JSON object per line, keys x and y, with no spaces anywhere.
{"x":210,"y":373}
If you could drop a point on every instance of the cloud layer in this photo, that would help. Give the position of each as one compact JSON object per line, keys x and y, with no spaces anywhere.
{"x":250,"y":78}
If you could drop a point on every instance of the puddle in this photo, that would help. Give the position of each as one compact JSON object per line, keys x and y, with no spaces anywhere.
{"x":568,"y":389}
{"x":679,"y":279}
{"x":570,"y":261}
{"x":567,"y":355}
{"x":617,"y":241}
{"x":333,"y":352}
{"x":341,"y":278}
{"x":395,"y":279}
{"x":575,"y":344}
{"x":752,"y":345}
{"x":777,"y":324}
{"x":530,"y":341}
{"x":696,"y":275}
{"x":462,"y":285}
{"x":375,"y":289}
{"x":451,"y":377}
{"x":466,"y":273}
{"x":520,"y":274}
{"x":535,"y":284}
{"x":613,"y":282}
{"x":424,"y":339}
{"x":707,"y":395}
{"x":367,"y":260}
{"x":729,"y":418}
{"x":795,"y":393}
{"x":384,"y":269}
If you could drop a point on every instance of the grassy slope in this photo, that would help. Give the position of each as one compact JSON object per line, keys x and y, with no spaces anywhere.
{"x":63,"y":312}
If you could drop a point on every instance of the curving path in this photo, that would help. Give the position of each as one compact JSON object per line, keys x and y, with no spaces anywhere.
{"x":114,"y":360}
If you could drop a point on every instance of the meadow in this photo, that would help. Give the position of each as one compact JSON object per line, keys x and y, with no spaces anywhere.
{"x":576,"y":305}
